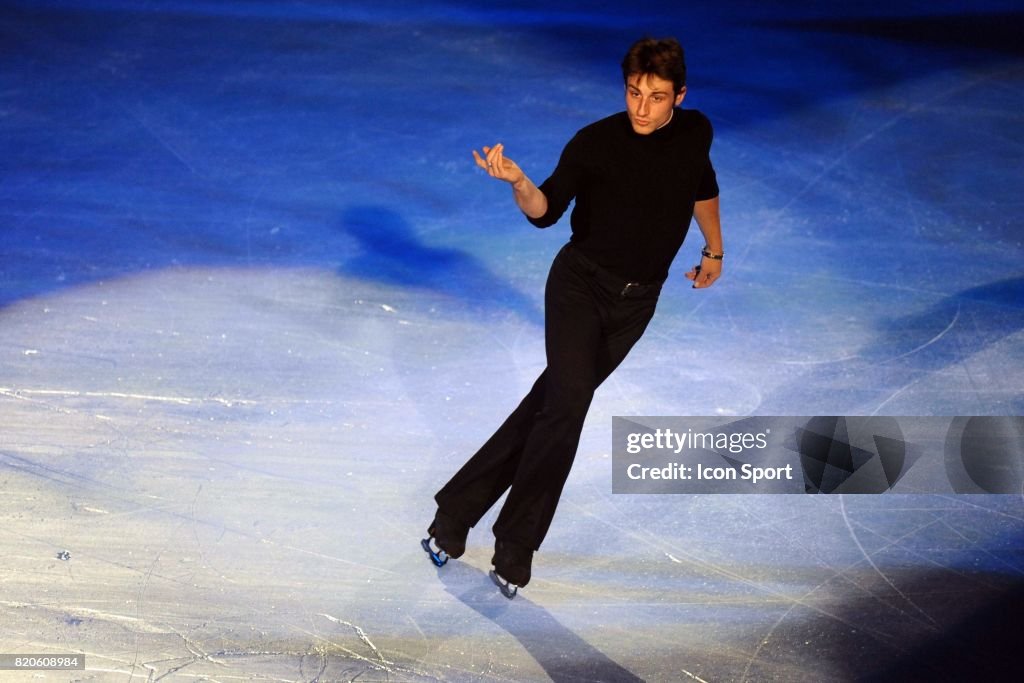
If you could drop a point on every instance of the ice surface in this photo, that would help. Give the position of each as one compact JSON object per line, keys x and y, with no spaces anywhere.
{"x":257,"y":305}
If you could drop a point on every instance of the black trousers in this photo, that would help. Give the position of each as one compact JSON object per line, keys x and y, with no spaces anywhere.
{"x":592,"y":320}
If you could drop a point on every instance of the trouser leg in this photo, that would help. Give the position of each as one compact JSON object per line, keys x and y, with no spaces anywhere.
{"x":471,"y":492}
{"x":588,"y":332}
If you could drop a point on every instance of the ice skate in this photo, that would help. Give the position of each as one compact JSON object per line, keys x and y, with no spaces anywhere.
{"x":446,"y":539}
{"x":512,"y":564}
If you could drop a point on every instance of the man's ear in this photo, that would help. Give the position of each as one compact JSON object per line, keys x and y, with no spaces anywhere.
{"x":680,"y":95}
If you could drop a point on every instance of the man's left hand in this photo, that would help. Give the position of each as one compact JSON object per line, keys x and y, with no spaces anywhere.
{"x":705,"y":274}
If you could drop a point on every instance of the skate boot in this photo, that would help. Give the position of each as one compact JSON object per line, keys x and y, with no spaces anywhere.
{"x":449,"y":539}
{"x":512,"y":563}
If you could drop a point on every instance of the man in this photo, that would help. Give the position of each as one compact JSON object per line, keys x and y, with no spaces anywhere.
{"x":638,"y":177}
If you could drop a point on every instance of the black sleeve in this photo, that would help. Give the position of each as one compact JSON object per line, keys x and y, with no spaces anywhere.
{"x":708,"y":180}
{"x":708,"y":183}
{"x":561,"y":187}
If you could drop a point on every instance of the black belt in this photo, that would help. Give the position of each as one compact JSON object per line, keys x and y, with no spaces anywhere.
{"x":610,"y":280}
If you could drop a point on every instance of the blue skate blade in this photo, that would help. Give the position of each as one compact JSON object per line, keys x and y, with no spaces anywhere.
{"x":438,"y":557}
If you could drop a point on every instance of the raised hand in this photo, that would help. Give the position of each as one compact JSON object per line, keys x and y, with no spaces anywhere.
{"x":498,"y":165}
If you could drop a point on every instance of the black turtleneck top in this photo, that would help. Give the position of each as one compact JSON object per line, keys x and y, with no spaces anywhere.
{"x":634,"y":193}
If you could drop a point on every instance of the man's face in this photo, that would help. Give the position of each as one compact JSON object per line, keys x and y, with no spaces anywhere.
{"x":649,"y":102}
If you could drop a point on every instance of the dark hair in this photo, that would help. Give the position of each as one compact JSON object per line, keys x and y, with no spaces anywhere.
{"x":663,"y":58}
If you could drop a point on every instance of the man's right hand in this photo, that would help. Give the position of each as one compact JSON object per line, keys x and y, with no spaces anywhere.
{"x":497,"y":166}
{"x":528,"y":197}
